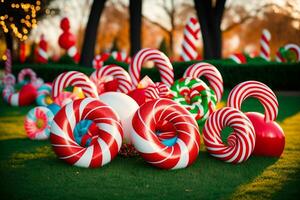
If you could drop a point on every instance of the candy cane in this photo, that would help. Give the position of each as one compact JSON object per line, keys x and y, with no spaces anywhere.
{"x":27,"y":72}
{"x":258,"y":90}
{"x":124,"y":81}
{"x":191,"y":36}
{"x":97,"y":62}
{"x":210,"y":72}
{"x":238,"y":58}
{"x":160,"y":60}
{"x":243,"y":130}
{"x":76,"y":79}
{"x":104,"y":147}
{"x":279,"y":57}
{"x":121,"y":56}
{"x":8,"y":64}
{"x":265,"y":45}
{"x":73,"y":53}
{"x":183,"y":153}
{"x":158,"y":90}
{"x":294,"y":48}
{"x":9,"y":79}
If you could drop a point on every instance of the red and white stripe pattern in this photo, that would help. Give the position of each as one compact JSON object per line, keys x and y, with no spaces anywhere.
{"x":257,"y":90}
{"x":210,"y":72}
{"x":27,"y":72}
{"x":8,"y":63}
{"x":157,"y":90}
{"x":104,"y":146}
{"x":265,"y":51}
{"x":9,"y":79}
{"x":73,"y":53}
{"x":191,"y":35}
{"x":183,"y":153}
{"x":116,"y":72}
{"x":294,"y":48}
{"x":76,"y":79}
{"x":279,"y":57}
{"x":10,"y":96}
{"x":238,"y":58}
{"x":98,"y":62}
{"x":160,"y":60}
{"x":121,"y":56}
{"x":240,"y":146}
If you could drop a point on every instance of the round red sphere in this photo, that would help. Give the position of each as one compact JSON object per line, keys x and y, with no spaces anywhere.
{"x":66,"y":40}
{"x":65,"y":24}
{"x":27,"y":95}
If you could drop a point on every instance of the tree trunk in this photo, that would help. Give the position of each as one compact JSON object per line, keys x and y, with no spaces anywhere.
{"x":135,"y":9}
{"x":9,"y":41}
{"x":90,"y":36}
{"x":210,"y":18}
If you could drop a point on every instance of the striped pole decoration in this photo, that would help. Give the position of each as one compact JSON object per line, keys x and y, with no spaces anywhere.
{"x":238,"y":58}
{"x":257,"y":90}
{"x":160,"y":60}
{"x":42,"y":56}
{"x":116,"y":72}
{"x":265,"y":51}
{"x":121,"y":56}
{"x":8,"y":63}
{"x":76,"y":79}
{"x":104,"y":146}
{"x":210,"y":72}
{"x":183,"y":153}
{"x":191,"y":36}
{"x":240,"y":146}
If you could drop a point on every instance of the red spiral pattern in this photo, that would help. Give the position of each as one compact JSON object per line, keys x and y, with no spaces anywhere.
{"x":210,"y":72}
{"x":158,"y":90}
{"x":118,"y":73}
{"x":103,"y":148}
{"x":184,"y":152}
{"x":240,"y":145}
{"x":160,"y":60}
{"x":76,"y":79}
{"x":257,"y":90}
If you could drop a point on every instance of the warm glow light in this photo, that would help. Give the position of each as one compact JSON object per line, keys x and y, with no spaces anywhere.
{"x":4,"y":57}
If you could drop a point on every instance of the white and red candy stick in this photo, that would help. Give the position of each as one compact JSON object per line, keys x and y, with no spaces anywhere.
{"x":117,"y":72}
{"x":160,"y":60}
{"x":294,"y":48}
{"x":121,"y":56}
{"x":184,"y":152}
{"x":265,"y":51}
{"x":191,"y":36}
{"x":27,"y":72}
{"x":258,"y":90}
{"x":102,"y":149}
{"x":210,"y":72}
{"x":157,"y":90}
{"x":98,"y":61}
{"x":76,"y":79}
{"x":238,"y":58}
{"x":279,"y":57}
{"x":243,"y":130}
{"x":8,"y":63}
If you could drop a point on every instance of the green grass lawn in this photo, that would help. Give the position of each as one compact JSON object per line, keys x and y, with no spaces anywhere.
{"x":30,"y":169}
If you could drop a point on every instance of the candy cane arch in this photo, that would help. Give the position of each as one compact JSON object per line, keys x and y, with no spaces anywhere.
{"x":27,"y":72}
{"x":117,"y":72}
{"x":210,"y":72}
{"x":76,"y":79}
{"x":258,"y":90}
{"x":265,"y":51}
{"x":191,"y":35}
{"x":183,"y":153}
{"x":160,"y":60}
{"x":237,"y":151}
{"x":104,"y":147}
{"x":294,"y":48}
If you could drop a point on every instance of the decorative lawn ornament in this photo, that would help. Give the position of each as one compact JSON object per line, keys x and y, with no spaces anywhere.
{"x":38,"y":122}
{"x":42,"y":56}
{"x":194,"y":95}
{"x":160,"y":60}
{"x":24,"y":97}
{"x":210,"y":72}
{"x":242,"y":141}
{"x":103,"y":148}
{"x":121,"y":56}
{"x":238,"y":58}
{"x":27,"y":72}
{"x":265,"y":51}
{"x":270,"y":139}
{"x":183,"y":153}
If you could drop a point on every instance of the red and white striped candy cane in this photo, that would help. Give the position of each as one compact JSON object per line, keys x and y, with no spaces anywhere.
{"x":265,"y":51}
{"x":8,"y":63}
{"x":73,"y":53}
{"x":117,"y":72}
{"x":121,"y":56}
{"x":27,"y":72}
{"x":157,"y":90}
{"x":238,"y":58}
{"x":191,"y":36}
{"x":294,"y":48}
{"x":76,"y":79}
{"x":160,"y":60}
{"x":98,"y":62}
{"x":9,"y":79}
{"x":243,"y":130}
{"x":279,"y":57}
{"x":184,"y":152}
{"x":210,"y":72}
{"x":258,"y":90}
{"x":104,"y":147}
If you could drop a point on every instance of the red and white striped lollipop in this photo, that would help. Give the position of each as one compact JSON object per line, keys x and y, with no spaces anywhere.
{"x":27,"y":72}
{"x":258,"y":90}
{"x":240,"y":146}
{"x":160,"y":60}
{"x":121,"y":56}
{"x":76,"y":79}
{"x":265,"y":51}
{"x":116,"y":72}
{"x":191,"y":36}
{"x":157,"y":90}
{"x":145,"y":121}
{"x":210,"y":72}
{"x":103,"y":148}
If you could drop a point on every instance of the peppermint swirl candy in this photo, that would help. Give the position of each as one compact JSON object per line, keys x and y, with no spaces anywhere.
{"x":44,"y":95}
